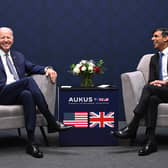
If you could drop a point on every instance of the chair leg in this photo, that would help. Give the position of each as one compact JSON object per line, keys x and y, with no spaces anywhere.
{"x":44,"y":136}
{"x":19,"y":131}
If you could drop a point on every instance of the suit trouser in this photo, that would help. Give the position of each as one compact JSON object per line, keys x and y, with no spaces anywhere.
{"x":27,"y":93}
{"x":150,"y":98}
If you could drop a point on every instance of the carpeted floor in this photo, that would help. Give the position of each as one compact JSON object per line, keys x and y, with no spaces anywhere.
{"x":12,"y":153}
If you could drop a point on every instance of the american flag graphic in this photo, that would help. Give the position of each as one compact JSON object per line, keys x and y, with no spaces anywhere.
{"x":101,"y":119}
{"x":77,"y":119}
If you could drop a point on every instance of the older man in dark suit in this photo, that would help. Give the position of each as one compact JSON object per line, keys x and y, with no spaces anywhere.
{"x":155,"y":92}
{"x":16,"y":87}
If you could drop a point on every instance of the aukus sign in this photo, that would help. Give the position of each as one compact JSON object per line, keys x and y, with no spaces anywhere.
{"x":88,"y":100}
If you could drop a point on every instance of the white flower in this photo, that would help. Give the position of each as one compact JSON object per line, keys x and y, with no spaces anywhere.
{"x":91,"y":64}
{"x":78,"y":65}
{"x":83,"y":68}
{"x":83,"y":62}
{"x":91,"y":61}
{"x":90,"y":68}
{"x":76,"y":70}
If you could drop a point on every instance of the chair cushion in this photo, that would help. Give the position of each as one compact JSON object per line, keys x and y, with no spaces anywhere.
{"x":162,"y":114}
{"x":11,"y":110}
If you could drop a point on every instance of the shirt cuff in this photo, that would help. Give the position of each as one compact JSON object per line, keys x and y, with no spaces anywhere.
{"x":47,"y":67}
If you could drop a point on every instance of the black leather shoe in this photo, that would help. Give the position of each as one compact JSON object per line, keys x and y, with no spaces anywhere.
{"x":148,"y":148}
{"x":33,"y":150}
{"x":124,"y":133}
{"x":58,"y":126}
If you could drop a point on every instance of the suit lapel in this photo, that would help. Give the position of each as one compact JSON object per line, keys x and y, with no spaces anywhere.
{"x":2,"y":66}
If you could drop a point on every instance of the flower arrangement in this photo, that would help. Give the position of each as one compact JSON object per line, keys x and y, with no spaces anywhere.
{"x":86,"y":69}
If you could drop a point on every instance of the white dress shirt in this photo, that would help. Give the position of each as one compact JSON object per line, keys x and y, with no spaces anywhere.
{"x":9,"y":75}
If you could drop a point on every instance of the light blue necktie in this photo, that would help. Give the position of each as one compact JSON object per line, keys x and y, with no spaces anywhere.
{"x":160,"y":65}
{"x":11,"y":67}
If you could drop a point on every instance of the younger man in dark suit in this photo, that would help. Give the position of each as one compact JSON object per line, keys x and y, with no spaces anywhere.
{"x":155,"y":92}
{"x":17,"y":88}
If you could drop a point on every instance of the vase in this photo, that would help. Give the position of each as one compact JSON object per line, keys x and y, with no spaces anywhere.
{"x":87,"y":80}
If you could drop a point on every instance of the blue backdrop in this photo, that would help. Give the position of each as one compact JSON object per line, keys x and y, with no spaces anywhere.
{"x":62,"y":32}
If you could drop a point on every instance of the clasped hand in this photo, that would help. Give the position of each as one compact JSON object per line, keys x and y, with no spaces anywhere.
{"x":158,"y":83}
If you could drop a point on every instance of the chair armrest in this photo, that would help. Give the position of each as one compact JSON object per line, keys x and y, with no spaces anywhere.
{"x":132,"y":85}
{"x":48,"y":89}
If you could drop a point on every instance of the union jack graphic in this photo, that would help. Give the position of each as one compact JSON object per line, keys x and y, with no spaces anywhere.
{"x":101,"y":119}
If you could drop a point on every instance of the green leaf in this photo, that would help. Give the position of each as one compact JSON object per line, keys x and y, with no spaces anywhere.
{"x":72,"y":66}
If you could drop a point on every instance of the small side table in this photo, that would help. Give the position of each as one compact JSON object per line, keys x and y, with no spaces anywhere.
{"x":92,"y":111}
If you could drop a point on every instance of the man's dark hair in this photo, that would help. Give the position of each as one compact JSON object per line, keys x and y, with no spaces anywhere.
{"x":164,"y":31}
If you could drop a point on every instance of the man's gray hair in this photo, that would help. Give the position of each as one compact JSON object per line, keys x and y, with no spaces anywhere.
{"x":6,"y":28}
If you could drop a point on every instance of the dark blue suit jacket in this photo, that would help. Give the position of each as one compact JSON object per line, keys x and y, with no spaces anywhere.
{"x":23,"y":67}
{"x":154,"y":68}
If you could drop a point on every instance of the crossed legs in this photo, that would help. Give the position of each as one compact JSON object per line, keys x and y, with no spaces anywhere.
{"x":27,"y":93}
{"x":150,"y":98}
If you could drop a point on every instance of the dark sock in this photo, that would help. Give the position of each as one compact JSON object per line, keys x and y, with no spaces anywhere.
{"x":134,"y":122}
{"x":30,"y":136}
{"x":150,"y":134}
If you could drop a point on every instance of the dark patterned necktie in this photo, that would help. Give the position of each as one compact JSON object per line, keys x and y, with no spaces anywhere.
{"x":11,"y":67}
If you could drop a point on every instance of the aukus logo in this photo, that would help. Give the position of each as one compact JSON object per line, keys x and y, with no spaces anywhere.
{"x":80,"y":99}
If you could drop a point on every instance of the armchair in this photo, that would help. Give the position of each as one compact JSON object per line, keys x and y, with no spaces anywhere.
{"x":11,"y":116}
{"x":132,"y":85}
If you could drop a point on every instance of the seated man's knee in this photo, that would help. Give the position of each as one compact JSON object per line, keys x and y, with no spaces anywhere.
{"x":148,"y":87}
{"x":154,"y":99}
{"x":29,"y":81}
{"x":25,"y":93}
